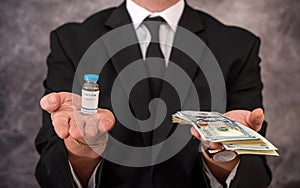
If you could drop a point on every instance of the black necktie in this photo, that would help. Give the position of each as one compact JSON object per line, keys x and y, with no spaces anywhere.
{"x":153,"y":50}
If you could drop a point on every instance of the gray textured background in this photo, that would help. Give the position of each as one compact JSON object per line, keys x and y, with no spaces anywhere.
{"x":24,"y":45}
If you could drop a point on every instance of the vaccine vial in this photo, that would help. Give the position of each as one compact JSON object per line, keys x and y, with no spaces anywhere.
{"x":90,"y":94}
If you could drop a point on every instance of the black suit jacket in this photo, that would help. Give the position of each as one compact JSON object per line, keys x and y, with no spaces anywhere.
{"x":236,"y":51}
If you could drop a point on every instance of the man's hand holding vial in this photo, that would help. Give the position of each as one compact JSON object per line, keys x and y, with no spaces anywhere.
{"x":82,"y":133}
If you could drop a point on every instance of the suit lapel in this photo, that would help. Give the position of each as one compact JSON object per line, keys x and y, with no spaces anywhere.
{"x":192,"y":22}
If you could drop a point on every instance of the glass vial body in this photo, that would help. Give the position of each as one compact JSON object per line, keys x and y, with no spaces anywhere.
{"x":90,"y":94}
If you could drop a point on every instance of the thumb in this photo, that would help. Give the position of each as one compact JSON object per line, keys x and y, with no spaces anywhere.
{"x":256,"y":119}
{"x":53,"y":101}
{"x":50,"y":102}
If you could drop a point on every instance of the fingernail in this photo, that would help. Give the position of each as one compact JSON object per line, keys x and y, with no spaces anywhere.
{"x":52,"y":100}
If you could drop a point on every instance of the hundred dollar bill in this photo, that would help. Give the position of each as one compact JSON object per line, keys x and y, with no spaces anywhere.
{"x":247,"y":147}
{"x":257,"y":152}
{"x":261,"y":146}
{"x":214,"y":127}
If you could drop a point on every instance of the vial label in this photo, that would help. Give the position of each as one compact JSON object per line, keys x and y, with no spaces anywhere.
{"x":89,"y":103}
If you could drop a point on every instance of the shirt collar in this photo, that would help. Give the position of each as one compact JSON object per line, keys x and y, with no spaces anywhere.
{"x":172,"y":14}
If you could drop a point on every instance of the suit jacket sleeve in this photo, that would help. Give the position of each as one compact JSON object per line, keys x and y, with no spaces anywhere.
{"x":53,"y":169}
{"x":245,"y":92}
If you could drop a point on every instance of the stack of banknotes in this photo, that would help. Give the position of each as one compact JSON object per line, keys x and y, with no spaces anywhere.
{"x":215,"y":127}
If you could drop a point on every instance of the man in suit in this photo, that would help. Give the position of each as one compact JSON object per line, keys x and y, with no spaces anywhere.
{"x":67,"y":161}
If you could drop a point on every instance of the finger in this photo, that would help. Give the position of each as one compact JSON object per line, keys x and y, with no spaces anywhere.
{"x":60,"y":123}
{"x":256,"y":119}
{"x":195,"y":133}
{"x":106,"y":120}
{"x":208,"y":144}
{"x":105,"y":125}
{"x":76,"y":128}
{"x":215,"y":145}
{"x":90,"y":128}
{"x":50,"y":102}
{"x":53,"y":101}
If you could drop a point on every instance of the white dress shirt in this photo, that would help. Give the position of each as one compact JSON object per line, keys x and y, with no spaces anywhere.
{"x":167,"y":32}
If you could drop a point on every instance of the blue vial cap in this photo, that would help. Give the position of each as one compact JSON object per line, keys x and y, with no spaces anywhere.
{"x":91,"y":77}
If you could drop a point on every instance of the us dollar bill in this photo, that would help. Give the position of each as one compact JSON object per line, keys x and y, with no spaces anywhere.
{"x":215,"y":127}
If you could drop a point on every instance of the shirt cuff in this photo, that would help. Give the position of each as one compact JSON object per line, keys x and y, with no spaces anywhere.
{"x":92,"y":181}
{"x":213,"y":181}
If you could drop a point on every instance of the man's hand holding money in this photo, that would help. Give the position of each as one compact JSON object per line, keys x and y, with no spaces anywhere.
{"x":253,"y":120}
